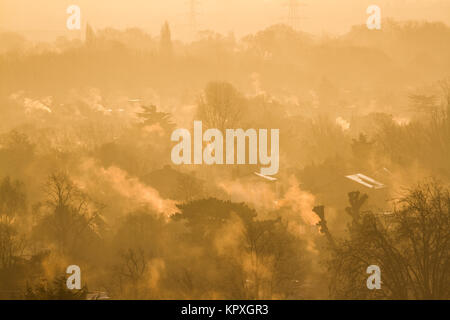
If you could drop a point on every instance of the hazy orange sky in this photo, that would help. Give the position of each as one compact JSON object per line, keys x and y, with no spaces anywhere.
{"x":46,"y":19}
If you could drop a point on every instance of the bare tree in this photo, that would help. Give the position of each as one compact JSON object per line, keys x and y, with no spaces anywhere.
{"x":411,"y":246}
{"x":221,"y":106}
{"x":132,"y":272}
{"x":72,"y":214}
{"x":12,"y":246}
{"x":12,"y":199}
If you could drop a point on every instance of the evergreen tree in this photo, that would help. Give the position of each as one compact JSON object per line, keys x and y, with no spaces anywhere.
{"x":166,"y":41}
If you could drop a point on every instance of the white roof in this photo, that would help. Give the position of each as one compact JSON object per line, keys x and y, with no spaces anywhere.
{"x":366,"y":181}
{"x":265,"y":177}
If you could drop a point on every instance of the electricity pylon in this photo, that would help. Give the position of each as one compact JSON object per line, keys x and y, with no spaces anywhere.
{"x":193,"y":23}
{"x":293,"y":13}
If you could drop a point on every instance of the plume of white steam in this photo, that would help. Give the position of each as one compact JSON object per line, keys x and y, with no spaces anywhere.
{"x":35,"y":105}
{"x":260,"y":195}
{"x":263,"y":196}
{"x":229,"y":243}
{"x":402,"y":121}
{"x":300,"y":202}
{"x":134,"y":189}
{"x":95,"y":101}
{"x":228,"y":239}
{"x":32,"y":105}
{"x":344,"y":124}
{"x":156,"y":268}
{"x":256,"y":84}
{"x":118,"y":183}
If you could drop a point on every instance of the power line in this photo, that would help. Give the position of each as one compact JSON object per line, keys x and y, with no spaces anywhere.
{"x":193,"y":23}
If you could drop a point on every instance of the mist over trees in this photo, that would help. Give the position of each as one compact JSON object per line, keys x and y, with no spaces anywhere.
{"x":86,"y":176}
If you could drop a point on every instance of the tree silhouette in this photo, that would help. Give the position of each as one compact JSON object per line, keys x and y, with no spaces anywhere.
{"x":150,"y":116}
{"x":220,"y":106}
{"x":411,"y":246}
{"x":54,"y":290}
{"x":166,"y":47}
{"x":12,"y":199}
{"x":72,"y":216}
{"x":264,"y":261}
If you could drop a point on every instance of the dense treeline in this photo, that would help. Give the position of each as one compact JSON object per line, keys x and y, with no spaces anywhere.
{"x":86,"y":176}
